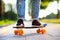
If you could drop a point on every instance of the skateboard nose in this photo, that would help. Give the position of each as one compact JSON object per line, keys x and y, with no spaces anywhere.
{"x":44,"y":25}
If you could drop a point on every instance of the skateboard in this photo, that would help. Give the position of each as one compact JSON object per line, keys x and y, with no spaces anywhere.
{"x":19,"y":29}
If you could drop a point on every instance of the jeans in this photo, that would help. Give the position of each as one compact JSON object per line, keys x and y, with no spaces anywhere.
{"x":21,"y":9}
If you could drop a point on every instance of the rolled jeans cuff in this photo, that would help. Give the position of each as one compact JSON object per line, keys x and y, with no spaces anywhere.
{"x":22,"y":18}
{"x":35,"y":19}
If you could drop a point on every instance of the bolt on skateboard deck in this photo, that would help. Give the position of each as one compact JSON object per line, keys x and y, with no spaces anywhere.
{"x":19,"y":29}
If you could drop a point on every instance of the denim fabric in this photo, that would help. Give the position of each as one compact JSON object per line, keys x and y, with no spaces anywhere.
{"x":21,"y":8}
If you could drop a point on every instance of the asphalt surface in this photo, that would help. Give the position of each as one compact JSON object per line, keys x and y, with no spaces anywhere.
{"x":52,"y":33}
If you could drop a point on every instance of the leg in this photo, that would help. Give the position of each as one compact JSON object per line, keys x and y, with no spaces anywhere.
{"x":20,"y":11}
{"x":35,"y":9}
{"x":35,"y":12}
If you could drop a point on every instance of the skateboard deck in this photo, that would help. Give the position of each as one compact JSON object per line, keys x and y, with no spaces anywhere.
{"x":19,"y":29}
{"x":31,"y":26}
{"x":28,"y":27}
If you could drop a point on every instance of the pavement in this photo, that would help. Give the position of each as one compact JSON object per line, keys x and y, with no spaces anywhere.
{"x":52,"y":33}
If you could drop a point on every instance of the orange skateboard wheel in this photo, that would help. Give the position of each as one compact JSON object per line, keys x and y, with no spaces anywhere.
{"x":18,"y":32}
{"x":40,"y":31}
{"x":21,"y":32}
{"x":43,"y":31}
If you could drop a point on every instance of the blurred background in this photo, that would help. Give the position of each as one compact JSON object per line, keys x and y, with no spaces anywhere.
{"x":49,"y":11}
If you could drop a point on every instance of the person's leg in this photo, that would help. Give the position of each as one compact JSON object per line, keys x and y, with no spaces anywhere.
{"x":20,"y":11}
{"x":35,"y":12}
{"x":35,"y":9}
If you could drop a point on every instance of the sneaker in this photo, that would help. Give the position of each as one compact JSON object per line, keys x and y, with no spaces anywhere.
{"x":36,"y":23}
{"x":20,"y":22}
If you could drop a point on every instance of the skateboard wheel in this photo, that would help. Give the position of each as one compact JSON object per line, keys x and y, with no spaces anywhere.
{"x":43,"y":31}
{"x":18,"y":32}
{"x":38,"y":31}
{"x":21,"y":32}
